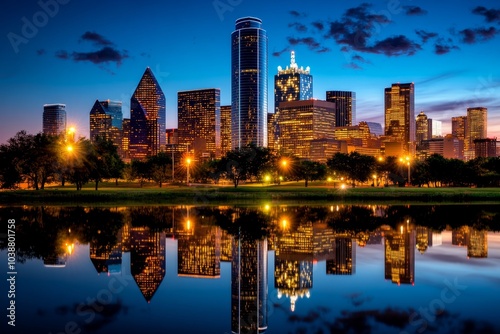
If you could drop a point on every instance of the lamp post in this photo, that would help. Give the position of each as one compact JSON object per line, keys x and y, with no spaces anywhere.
{"x":284,"y":164}
{"x":188,"y":162}
{"x":407,"y":161}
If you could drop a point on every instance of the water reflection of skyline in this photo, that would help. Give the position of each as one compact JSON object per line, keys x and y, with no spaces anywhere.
{"x":307,"y":238}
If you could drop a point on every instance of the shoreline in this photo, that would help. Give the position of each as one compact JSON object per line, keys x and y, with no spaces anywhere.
{"x":210,"y":195}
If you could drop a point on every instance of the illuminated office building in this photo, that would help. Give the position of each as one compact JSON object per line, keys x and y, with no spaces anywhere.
{"x":225,"y":129}
{"x":147,"y":259}
{"x":248,"y":83}
{"x":458,"y":129}
{"x":376,"y":128}
{"x":54,"y":119}
{"x":435,"y":128}
{"x":400,"y":255}
{"x":344,"y":261}
{"x":300,"y":122}
{"x":460,"y":236}
{"x":476,"y":129}
{"x":421,"y":128}
{"x":125,"y":147}
{"x":485,"y":147}
{"x":199,"y":122}
{"x":345,"y":107}
{"x":355,"y":135}
{"x":292,"y":83}
{"x":198,"y":255}
{"x":400,"y":115}
{"x":249,"y":286}
{"x":147,"y":118}
{"x":477,"y":243}
{"x":106,"y":122}
{"x":323,"y":242}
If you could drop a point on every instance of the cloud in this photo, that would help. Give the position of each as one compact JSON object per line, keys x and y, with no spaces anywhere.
{"x":414,"y":10}
{"x":472,"y":36}
{"x":425,"y":35}
{"x":103,"y":56}
{"x":353,"y":66}
{"x":40,"y":52}
{"x":298,"y":26}
{"x":357,"y":26}
{"x":360,"y":59}
{"x":491,"y":15}
{"x":279,"y":53}
{"x":318,"y":25}
{"x":395,"y":46}
{"x":295,"y":13}
{"x":310,"y":42}
{"x":95,"y":38}
{"x":443,"y":47}
{"x":442,"y":76}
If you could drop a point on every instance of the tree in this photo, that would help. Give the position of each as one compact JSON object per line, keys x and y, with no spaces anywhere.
{"x":354,"y":166}
{"x":80,"y":164}
{"x":310,"y":171}
{"x":140,"y":171}
{"x":160,"y":168}
{"x":105,"y":161}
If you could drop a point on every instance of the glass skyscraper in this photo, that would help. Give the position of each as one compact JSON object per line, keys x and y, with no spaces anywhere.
{"x":54,"y":119}
{"x":477,"y":128}
{"x":400,"y":114}
{"x":106,"y":120}
{"x":248,"y":83}
{"x":345,"y":106}
{"x":147,"y":118}
{"x":199,"y":118}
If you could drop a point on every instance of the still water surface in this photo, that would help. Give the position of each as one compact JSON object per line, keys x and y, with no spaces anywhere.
{"x":272,"y":269}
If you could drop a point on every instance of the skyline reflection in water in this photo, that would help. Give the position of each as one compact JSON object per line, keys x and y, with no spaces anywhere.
{"x":257,"y":269}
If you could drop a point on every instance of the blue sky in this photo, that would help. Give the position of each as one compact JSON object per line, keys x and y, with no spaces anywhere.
{"x":80,"y":51}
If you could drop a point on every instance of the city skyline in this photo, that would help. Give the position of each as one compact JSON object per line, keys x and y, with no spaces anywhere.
{"x":81,"y":63}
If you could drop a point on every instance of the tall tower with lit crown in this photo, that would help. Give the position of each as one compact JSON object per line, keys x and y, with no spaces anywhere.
{"x":54,"y":119}
{"x":147,"y":118}
{"x":400,"y":114}
{"x":248,"y":83}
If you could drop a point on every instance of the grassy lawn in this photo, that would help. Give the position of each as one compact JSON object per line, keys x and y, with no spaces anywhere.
{"x":132,"y":194}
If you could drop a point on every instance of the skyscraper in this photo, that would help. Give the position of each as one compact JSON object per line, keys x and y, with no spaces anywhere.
{"x":476,"y":129}
{"x":199,"y":122}
{"x":54,"y":119}
{"x":458,"y":129}
{"x":225,"y":129}
{"x":292,"y":83}
{"x":422,"y":128}
{"x":345,"y":106}
{"x":435,"y":128}
{"x":400,"y":114}
{"x":248,"y":83}
{"x":147,"y":118}
{"x":106,"y":119}
{"x":344,"y":262}
{"x":400,"y":255}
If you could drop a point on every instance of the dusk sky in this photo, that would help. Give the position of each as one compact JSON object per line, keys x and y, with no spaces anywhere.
{"x":86,"y":50}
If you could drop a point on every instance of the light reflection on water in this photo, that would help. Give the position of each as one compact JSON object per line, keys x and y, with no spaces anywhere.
{"x":273,"y":269}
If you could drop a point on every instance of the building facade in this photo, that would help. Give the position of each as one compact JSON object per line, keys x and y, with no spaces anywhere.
{"x":476,"y":129}
{"x":485,"y":147}
{"x":147,"y":118}
{"x":301,"y":122}
{"x":225,"y":129}
{"x":345,"y":107}
{"x":400,"y":114}
{"x":54,"y":119}
{"x":421,"y":128}
{"x":249,"y":65}
{"x":199,"y":122}
{"x":106,"y":122}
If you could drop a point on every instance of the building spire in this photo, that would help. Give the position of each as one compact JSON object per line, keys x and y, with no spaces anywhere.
{"x":293,"y":64}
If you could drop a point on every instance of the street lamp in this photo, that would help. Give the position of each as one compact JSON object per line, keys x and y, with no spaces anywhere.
{"x":407,"y":161}
{"x":374,"y":180}
{"x":188,"y":162}
{"x":284,"y":164}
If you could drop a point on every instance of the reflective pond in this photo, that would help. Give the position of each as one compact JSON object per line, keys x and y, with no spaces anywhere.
{"x":270,"y":268}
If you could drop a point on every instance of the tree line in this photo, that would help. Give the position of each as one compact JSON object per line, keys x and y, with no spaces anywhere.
{"x":40,"y":159}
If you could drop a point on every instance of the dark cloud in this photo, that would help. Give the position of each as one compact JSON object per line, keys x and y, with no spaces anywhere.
{"x":442,"y":47}
{"x":360,"y":59}
{"x":357,"y":26}
{"x":96,"y":38}
{"x":491,"y":15}
{"x":318,"y":25}
{"x":414,"y":10}
{"x":472,"y":36}
{"x":279,"y":53}
{"x":425,"y":35}
{"x":395,"y":46}
{"x":310,"y":42}
{"x":40,"y":52}
{"x":298,"y":26}
{"x":353,"y":66}
{"x":102,"y":56}
{"x":295,"y":13}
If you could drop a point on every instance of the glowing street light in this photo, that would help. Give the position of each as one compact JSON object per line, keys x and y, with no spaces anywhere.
{"x":188,"y":163}
{"x":407,"y":161}
{"x":69,"y":148}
